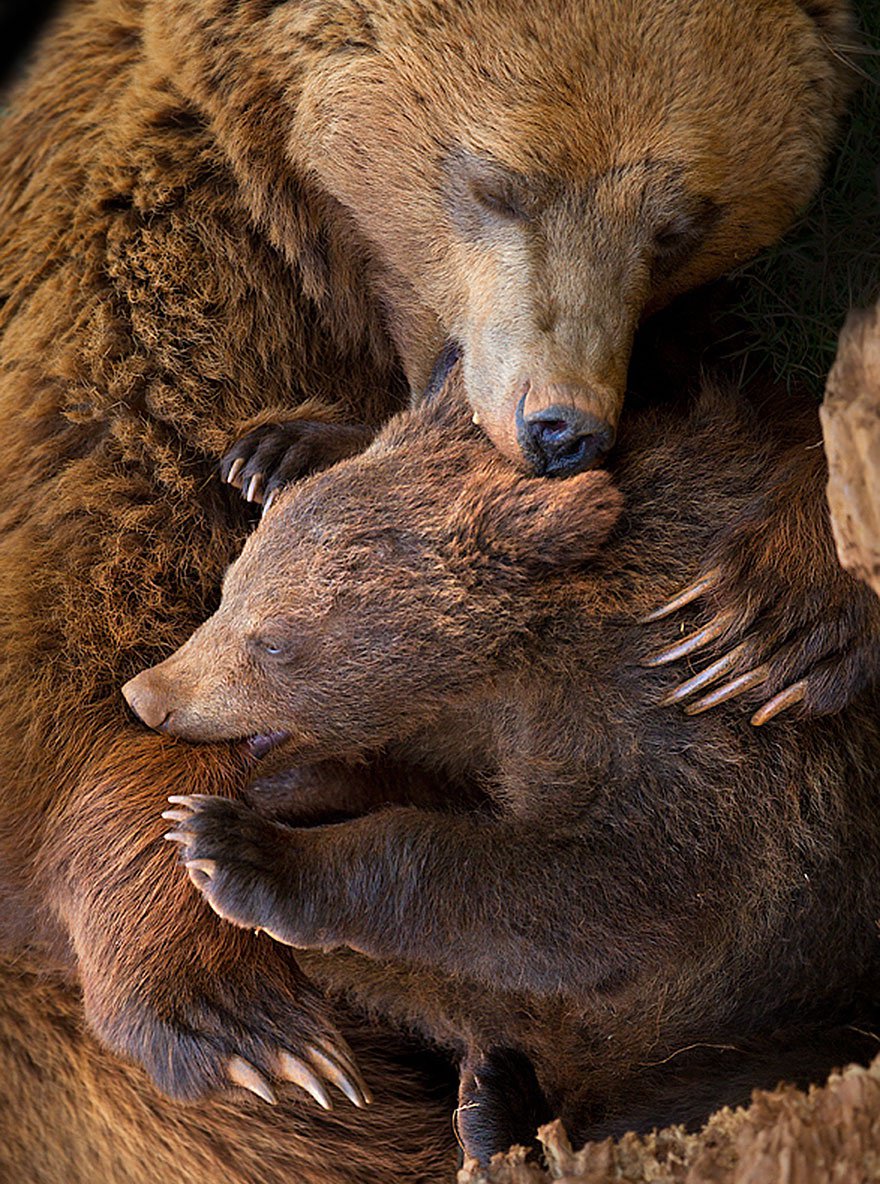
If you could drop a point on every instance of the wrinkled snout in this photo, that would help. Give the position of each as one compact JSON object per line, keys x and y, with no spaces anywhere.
{"x":563,"y":429}
{"x":148,"y":696}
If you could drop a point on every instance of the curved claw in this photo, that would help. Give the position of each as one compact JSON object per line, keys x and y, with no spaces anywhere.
{"x":242,"y":1073}
{"x":343,"y":1075}
{"x":737,"y":686}
{"x":176,"y":836}
{"x":692,"y":592}
{"x":234,"y":469}
{"x":188,"y":799}
{"x":176,"y":815}
{"x":712,"y":673}
{"x":269,"y":500}
{"x":254,"y":489}
{"x":716,"y":628}
{"x":796,"y":693}
{"x":291,"y":1068}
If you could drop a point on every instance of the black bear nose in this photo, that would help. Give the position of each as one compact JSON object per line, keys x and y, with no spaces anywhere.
{"x":557,"y":441}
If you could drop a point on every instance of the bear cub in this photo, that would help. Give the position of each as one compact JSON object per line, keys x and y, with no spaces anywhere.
{"x":617,"y":914}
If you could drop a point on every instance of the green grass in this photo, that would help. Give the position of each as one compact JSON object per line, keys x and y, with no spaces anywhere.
{"x":794,"y":299}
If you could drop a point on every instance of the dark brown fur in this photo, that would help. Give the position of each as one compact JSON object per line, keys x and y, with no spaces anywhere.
{"x":635,"y":900}
{"x":175,"y":267}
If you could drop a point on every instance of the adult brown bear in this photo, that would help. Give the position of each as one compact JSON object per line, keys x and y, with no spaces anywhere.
{"x":657,"y":913}
{"x":213,"y":212}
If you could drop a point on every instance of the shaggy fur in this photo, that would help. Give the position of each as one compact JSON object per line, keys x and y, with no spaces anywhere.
{"x":73,"y":1113}
{"x":201,"y":229}
{"x":657,"y":911}
{"x":610,"y":163}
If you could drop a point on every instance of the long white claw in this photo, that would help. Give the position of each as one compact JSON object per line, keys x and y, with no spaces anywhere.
{"x":188,"y":799}
{"x":291,"y":1068}
{"x":254,"y":486}
{"x":686,"y":596}
{"x":796,"y":693}
{"x":243,"y":1073}
{"x":177,"y":815}
{"x":234,"y":470}
{"x":346,"y":1079}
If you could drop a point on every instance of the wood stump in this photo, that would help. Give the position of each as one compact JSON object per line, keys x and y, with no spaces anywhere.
{"x":851,"y":425}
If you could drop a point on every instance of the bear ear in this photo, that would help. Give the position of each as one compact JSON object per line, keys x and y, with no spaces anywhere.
{"x":836,"y":25}
{"x":834,"y":17}
{"x":529,"y":522}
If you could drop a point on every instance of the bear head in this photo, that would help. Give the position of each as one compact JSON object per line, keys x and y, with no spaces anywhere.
{"x":535,"y":178}
{"x":375,"y":594}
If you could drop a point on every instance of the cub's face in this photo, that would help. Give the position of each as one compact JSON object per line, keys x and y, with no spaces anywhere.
{"x":535,"y":178}
{"x":374,"y":594}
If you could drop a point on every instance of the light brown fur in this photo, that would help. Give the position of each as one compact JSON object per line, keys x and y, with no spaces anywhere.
{"x":180,"y":256}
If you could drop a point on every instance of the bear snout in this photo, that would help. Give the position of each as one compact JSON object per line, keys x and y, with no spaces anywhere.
{"x":147,"y":696}
{"x":562,"y":437}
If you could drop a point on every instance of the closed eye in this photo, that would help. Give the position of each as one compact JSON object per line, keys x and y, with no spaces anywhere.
{"x":678,"y":238}
{"x":498,"y":201}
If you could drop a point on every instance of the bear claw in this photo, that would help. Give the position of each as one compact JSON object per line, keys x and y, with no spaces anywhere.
{"x":242,"y":1073}
{"x":796,"y":654}
{"x":235,"y":468}
{"x":716,"y":628}
{"x":686,"y":596}
{"x":796,"y":693}
{"x":730,"y":690}
{"x":342,"y":1073}
{"x":254,"y":489}
{"x":705,"y":678}
{"x":296,"y":1071}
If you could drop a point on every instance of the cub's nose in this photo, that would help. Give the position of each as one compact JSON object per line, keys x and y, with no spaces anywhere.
{"x":557,"y":441}
{"x":145,"y":695}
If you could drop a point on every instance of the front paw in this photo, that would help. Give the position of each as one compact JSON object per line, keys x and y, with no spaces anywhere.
{"x":802,"y":637}
{"x":242,"y":863}
{"x":273,"y":455}
{"x":500,"y":1104}
{"x":225,"y":1014}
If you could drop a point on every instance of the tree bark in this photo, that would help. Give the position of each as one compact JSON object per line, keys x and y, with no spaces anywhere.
{"x":851,"y":425}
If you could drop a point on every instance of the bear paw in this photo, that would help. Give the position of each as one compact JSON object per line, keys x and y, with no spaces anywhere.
{"x":273,"y":455}
{"x":239,"y":861}
{"x":255,"y":1023}
{"x":500,"y":1104}
{"x":224,"y":849}
{"x":778,"y":645}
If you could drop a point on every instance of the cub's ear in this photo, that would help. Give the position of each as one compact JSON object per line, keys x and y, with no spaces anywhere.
{"x":529,"y":522}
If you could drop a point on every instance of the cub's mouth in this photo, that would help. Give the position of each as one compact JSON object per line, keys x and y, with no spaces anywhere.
{"x":259,"y":746}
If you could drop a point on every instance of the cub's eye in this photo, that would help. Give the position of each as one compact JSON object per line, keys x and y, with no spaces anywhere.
{"x":498,"y":200}
{"x":270,"y":645}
